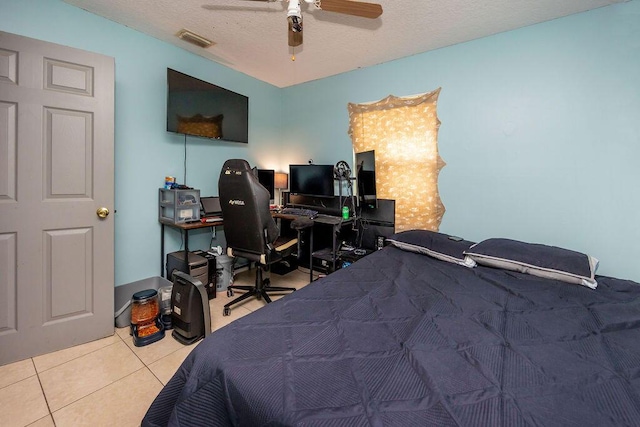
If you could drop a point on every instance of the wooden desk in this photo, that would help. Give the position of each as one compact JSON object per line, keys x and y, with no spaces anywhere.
{"x":335,"y":221}
{"x":184,"y":228}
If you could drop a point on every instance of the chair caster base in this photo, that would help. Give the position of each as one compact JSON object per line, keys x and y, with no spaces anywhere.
{"x":226,"y":311}
{"x":229,"y":292}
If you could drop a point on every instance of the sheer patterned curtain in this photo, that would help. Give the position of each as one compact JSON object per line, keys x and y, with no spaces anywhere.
{"x":404,"y":134}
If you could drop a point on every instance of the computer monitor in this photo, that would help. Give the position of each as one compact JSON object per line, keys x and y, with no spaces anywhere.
{"x":311,"y":180}
{"x":366,"y":178}
{"x":266,"y":178}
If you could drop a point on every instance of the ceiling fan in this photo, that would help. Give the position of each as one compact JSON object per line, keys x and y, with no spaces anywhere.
{"x":346,"y":7}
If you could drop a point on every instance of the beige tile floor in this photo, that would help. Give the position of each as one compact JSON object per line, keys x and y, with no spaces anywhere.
{"x":109,"y":382}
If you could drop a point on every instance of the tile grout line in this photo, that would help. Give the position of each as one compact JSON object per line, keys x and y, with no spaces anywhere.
{"x":155,"y":376}
{"x":77,"y":400}
{"x":77,"y":357}
{"x":147,"y":365}
{"x":44,"y":395}
{"x":101,"y":388}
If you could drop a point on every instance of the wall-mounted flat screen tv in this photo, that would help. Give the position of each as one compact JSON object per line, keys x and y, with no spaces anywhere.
{"x":311,"y":180}
{"x":199,"y":108}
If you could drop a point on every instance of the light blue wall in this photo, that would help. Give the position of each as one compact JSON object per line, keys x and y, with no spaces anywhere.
{"x":540,"y":131}
{"x":540,"y":128}
{"x":144,"y":152}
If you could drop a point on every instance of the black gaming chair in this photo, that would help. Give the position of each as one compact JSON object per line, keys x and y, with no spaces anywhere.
{"x":249,"y":229}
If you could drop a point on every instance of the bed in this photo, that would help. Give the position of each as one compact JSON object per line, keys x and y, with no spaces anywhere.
{"x":408,"y":337}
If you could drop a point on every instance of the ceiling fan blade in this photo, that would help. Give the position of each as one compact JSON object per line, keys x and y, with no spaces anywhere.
{"x":295,"y":38}
{"x":355,"y":8}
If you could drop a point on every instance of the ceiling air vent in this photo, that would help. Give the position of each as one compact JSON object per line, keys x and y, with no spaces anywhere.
{"x":193,"y":38}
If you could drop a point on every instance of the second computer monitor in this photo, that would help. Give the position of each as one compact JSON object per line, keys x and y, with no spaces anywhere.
{"x":266,"y":178}
{"x":366,"y":178}
{"x":311,"y":180}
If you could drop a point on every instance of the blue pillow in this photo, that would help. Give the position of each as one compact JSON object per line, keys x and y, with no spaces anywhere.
{"x":437,"y":245}
{"x":538,"y":260}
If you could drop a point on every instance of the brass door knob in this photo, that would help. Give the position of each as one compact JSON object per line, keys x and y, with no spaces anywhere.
{"x":102,"y":212}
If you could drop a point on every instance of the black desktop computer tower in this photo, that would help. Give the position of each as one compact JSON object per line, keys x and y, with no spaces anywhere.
{"x":210,"y":285}
{"x":196,"y":267}
{"x":377,"y":223}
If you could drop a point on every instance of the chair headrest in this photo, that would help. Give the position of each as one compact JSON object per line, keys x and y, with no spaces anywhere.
{"x":236,"y":164}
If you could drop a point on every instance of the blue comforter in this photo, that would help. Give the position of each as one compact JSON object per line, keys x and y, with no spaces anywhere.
{"x":401,"y":339}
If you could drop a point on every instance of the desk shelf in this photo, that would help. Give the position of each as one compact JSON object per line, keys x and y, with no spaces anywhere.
{"x":324,"y":225}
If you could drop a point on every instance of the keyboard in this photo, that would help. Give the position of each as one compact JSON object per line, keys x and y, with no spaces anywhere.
{"x":300,"y":212}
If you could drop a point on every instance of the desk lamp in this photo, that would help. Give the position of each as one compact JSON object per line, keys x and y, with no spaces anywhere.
{"x":281,"y":182}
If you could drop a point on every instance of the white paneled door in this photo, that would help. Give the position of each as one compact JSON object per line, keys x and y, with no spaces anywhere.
{"x":56,"y":197}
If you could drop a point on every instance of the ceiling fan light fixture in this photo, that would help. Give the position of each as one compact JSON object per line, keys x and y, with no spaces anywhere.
{"x":294,"y":16}
{"x":296,"y":23}
{"x":193,"y":38}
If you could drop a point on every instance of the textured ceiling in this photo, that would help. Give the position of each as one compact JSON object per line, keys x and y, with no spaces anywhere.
{"x":251,"y":36}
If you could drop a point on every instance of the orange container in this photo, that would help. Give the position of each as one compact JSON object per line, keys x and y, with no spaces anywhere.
{"x":145,"y":308}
